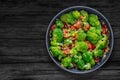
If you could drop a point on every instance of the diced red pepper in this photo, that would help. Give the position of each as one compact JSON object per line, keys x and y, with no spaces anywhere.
{"x":77,"y":25}
{"x":90,"y":46}
{"x":97,"y":60}
{"x":66,"y":50}
{"x":104,"y":29}
{"x":53,"y":27}
{"x":65,"y":25}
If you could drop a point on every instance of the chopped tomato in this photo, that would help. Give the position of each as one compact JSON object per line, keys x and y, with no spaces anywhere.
{"x":104,"y":29}
{"x":76,"y":36}
{"x":87,"y":27}
{"x":65,"y":25}
{"x":53,"y":27}
{"x":77,"y":25}
{"x":65,"y":33}
{"x":66,"y":50}
{"x":89,"y":46}
{"x":97,"y":60}
{"x":81,"y":17}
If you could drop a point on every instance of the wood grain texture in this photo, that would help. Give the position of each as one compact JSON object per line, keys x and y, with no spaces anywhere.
{"x":23,"y":55}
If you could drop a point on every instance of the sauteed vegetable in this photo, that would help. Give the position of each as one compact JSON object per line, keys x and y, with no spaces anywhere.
{"x":79,"y":40}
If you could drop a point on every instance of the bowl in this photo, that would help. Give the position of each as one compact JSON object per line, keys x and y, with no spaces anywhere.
{"x":89,"y":10}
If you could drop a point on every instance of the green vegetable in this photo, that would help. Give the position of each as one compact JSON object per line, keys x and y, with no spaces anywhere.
{"x":92,"y":62}
{"x":59,"y":24}
{"x":93,"y":35}
{"x":54,"y":43}
{"x":68,"y":18}
{"x":56,"y":51}
{"x":93,"y":20}
{"x":57,"y":35}
{"x":81,"y":64}
{"x":85,"y":15}
{"x":87,"y":66}
{"x":66,"y":62}
{"x":76,"y":14}
{"x":102,"y":43}
{"x":98,"y":53}
{"x":87,"y":57}
{"x":67,"y":41}
{"x":81,"y":46}
{"x":81,"y":35}
{"x":72,"y":33}
{"x":73,"y":51}
{"x":77,"y":58}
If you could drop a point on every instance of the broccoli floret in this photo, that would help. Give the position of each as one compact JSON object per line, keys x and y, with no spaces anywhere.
{"x":81,"y":46}
{"x":93,"y":35}
{"x":68,"y":18}
{"x":98,"y":53}
{"x":56,"y":51}
{"x":93,"y":20}
{"x":67,"y":62}
{"x":73,"y":51}
{"x":102,"y":43}
{"x":76,"y":14}
{"x":76,"y":58}
{"x":72,"y":32}
{"x":57,"y":35}
{"x":81,"y":64}
{"x":54,"y":43}
{"x":67,"y":41}
{"x":87,"y":57}
{"x":81,"y":35}
{"x":84,"y":14}
{"x":92,"y":62}
{"x":87,"y":66}
{"x":59,"y":24}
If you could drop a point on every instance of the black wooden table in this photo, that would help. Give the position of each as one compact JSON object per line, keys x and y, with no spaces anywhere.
{"x":23,"y":55}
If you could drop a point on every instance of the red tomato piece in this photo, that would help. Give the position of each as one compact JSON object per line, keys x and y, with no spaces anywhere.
{"x":89,"y":46}
{"x":53,"y":27}
{"x":77,"y":25}
{"x":104,"y":29}
{"x":97,"y":60}
{"x":66,"y":50}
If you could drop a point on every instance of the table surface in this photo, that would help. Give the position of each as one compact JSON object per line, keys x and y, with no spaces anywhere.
{"x":23,"y":54}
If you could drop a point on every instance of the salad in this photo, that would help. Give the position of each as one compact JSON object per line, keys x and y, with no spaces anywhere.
{"x":79,"y":40}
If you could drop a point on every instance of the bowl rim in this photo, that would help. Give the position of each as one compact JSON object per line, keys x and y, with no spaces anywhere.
{"x":84,"y":71}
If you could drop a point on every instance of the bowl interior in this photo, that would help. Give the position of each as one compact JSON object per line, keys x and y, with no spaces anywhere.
{"x":89,"y":10}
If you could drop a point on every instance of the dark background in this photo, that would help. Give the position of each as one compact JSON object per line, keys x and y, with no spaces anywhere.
{"x":23,"y":55}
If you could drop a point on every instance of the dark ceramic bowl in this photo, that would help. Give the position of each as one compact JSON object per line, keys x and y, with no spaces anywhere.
{"x":89,"y":10}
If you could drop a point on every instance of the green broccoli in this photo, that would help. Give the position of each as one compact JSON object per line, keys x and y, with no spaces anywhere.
{"x":81,"y":64}
{"x":67,"y":41}
{"x":93,"y":20}
{"x":57,"y":35}
{"x":98,"y":53}
{"x":68,"y":18}
{"x":73,"y":51}
{"x":87,"y":66}
{"x":87,"y":57}
{"x":85,"y":15}
{"x":102,"y":43}
{"x":93,"y":35}
{"x":76,"y":14}
{"x":54,"y":43}
{"x":92,"y":62}
{"x":59,"y":24}
{"x":72,"y":32}
{"x":56,"y":51}
{"x":81,"y":35}
{"x":67,"y":62}
{"x":81,"y":46}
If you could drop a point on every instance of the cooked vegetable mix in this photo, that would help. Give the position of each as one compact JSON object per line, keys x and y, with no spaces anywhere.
{"x":79,"y":40}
